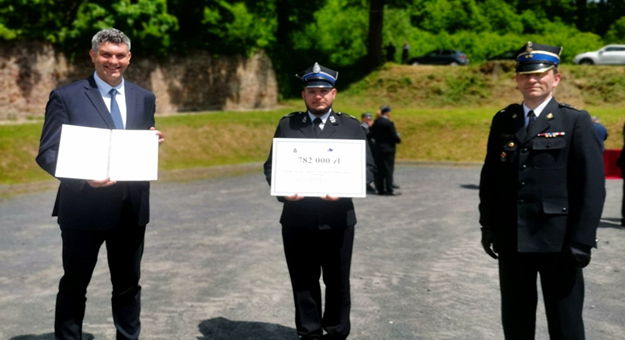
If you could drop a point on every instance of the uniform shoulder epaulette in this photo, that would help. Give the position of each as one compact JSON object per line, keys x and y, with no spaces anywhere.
{"x":567,"y":106}
{"x":345,"y":114}
{"x":510,"y":107}
{"x":293,"y":114}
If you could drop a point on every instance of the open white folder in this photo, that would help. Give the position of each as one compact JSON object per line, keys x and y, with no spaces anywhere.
{"x":95,"y":154}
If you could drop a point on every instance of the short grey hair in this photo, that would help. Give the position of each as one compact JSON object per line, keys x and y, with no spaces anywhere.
{"x":111,"y":35}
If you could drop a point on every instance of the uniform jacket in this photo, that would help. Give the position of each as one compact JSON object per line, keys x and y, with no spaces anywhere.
{"x":539,"y":191}
{"x":313,"y":212}
{"x":78,"y":205}
{"x":385,"y":136}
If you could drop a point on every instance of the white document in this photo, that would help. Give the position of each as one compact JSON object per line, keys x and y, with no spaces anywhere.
{"x":96,"y":154}
{"x":313,"y":167}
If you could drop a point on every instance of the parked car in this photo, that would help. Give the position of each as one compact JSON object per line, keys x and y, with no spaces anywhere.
{"x":610,"y":54}
{"x":508,"y":55}
{"x":441,"y":57}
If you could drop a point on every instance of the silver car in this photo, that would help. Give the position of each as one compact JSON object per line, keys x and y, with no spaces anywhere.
{"x":607,"y":55}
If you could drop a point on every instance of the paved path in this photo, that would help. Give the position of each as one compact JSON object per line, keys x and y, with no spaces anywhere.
{"x":214,"y":269}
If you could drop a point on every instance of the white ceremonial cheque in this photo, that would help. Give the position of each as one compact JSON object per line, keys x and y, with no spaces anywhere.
{"x":95,"y":154}
{"x":318,"y":167}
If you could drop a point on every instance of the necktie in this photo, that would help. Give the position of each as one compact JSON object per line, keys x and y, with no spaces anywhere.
{"x":115,"y":113}
{"x":316,"y":127}
{"x":532,"y":118}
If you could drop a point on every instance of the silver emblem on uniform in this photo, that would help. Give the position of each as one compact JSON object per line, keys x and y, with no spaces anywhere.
{"x":305,"y":119}
{"x":316,"y":68}
{"x":332,"y":119}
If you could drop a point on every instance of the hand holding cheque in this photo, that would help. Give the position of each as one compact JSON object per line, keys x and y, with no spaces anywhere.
{"x":103,"y":156}
{"x":324,"y":168}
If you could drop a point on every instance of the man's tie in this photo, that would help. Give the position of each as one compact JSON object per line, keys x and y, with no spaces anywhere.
{"x":532,"y":120}
{"x":115,"y":114}
{"x":316,"y":127}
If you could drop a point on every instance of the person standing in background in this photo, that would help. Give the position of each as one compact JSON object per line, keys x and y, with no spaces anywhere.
{"x":602,"y":132}
{"x":386,"y":138}
{"x":405,"y":53}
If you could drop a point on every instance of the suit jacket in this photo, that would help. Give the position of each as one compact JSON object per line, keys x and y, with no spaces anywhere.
{"x":385,"y":136}
{"x":78,"y":205}
{"x":540,"y":192}
{"x":313,"y":212}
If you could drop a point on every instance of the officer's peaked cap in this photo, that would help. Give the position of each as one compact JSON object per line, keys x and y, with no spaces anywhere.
{"x":537,"y":58}
{"x":318,"y":76}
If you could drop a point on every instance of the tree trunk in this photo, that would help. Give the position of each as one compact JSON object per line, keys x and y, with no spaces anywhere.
{"x":376,"y":14}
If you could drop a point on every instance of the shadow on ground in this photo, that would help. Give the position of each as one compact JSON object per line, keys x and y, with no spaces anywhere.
{"x":48,"y":336}
{"x":470,"y":186}
{"x":611,"y":223}
{"x":224,"y":329}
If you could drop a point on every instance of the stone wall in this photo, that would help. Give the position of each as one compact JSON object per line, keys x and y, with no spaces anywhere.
{"x":29,"y":71}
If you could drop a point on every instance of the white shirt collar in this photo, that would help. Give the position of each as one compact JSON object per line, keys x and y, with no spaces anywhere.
{"x":323,"y":118}
{"x":104,"y":87}
{"x":539,"y":109}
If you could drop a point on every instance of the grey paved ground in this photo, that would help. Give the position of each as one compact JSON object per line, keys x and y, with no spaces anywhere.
{"x":214,"y":269}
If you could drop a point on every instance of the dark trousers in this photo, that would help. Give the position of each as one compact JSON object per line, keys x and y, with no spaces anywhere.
{"x":385,"y":163}
{"x":623,"y":199}
{"x":309,"y":253}
{"x":563,"y":292}
{"x":124,"y":246}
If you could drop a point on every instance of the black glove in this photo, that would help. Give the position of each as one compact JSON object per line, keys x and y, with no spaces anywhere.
{"x":580,"y":255}
{"x":487,"y":242}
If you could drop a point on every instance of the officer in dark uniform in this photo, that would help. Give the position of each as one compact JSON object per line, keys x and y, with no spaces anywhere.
{"x":541,"y":197}
{"x":318,"y":233}
{"x":386,"y":138}
{"x":367,"y":122}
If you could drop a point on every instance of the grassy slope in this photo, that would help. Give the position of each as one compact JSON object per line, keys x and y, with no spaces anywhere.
{"x":443,"y":114}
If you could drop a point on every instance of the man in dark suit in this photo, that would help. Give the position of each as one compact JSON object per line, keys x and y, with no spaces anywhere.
{"x":318,"y":233}
{"x":541,"y":197}
{"x":386,"y":138}
{"x":96,"y":211}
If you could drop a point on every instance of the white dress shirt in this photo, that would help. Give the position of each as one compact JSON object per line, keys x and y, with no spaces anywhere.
{"x":106,"y":96}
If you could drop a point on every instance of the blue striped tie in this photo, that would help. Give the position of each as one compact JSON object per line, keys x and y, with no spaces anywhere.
{"x":115,"y":113}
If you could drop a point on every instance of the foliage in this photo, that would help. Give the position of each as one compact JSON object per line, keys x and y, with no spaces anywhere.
{"x":332,"y":32}
{"x":616,"y":33}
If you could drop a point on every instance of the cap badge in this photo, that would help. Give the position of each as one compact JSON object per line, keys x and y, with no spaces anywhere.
{"x":550,"y":116}
{"x":529,"y":47}
{"x":316,"y":68}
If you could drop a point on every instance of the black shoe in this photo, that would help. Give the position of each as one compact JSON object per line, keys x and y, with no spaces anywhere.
{"x":623,"y":222}
{"x":394,"y":193}
{"x":381,"y":193}
{"x":395,"y":186}
{"x":371,"y":190}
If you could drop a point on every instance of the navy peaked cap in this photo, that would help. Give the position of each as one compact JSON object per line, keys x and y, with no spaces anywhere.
{"x":537,"y":58}
{"x":318,"y":76}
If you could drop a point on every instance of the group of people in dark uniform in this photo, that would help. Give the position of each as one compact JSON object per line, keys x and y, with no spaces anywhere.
{"x":541,"y":193}
{"x":382,"y":138}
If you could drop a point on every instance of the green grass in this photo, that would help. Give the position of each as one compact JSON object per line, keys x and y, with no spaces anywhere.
{"x":210,"y":139}
{"x":442,"y":113}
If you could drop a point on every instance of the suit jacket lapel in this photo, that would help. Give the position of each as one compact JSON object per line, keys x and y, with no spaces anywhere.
{"x":330,"y":126}
{"x":519,"y":125}
{"x":131,"y":105}
{"x":94,"y":95}
{"x":542,"y":122}
{"x":306,"y":125}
